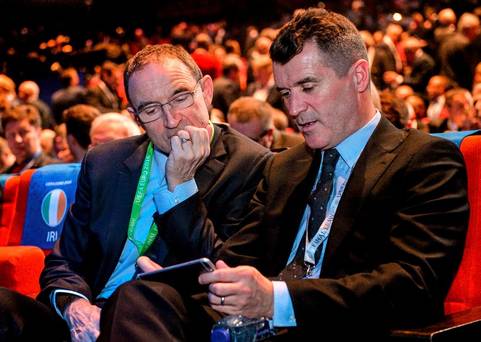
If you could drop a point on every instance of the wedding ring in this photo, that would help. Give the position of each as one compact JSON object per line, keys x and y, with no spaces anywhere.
{"x":184,"y":140}
{"x":222,"y":300}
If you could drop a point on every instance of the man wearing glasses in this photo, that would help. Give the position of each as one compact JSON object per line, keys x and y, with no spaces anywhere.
{"x":195,"y":178}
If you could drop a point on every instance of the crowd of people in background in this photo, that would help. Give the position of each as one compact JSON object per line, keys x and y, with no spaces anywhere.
{"x":425,"y":65}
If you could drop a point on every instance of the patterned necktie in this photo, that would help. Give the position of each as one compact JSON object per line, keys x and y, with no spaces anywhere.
{"x":317,"y":201}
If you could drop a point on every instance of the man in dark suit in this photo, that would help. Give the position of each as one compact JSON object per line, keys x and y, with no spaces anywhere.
{"x":185,"y":171}
{"x":374,"y":244}
{"x":70,"y":94}
{"x":388,"y":244}
{"x":103,"y":94}
{"x":227,"y":87}
{"x":387,"y":56}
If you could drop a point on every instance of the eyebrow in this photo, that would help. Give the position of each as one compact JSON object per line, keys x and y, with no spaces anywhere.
{"x":301,"y":82}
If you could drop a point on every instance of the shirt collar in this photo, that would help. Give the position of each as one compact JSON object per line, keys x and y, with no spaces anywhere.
{"x":351,"y":148}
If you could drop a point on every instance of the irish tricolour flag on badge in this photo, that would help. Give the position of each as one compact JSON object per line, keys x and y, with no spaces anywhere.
{"x":54,"y":205}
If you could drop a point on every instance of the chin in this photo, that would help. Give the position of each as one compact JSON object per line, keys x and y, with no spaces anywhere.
{"x":316,"y":144}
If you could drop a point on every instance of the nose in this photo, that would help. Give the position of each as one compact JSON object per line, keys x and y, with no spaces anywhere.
{"x":171,"y":118}
{"x":18,"y":138}
{"x":295,"y":105}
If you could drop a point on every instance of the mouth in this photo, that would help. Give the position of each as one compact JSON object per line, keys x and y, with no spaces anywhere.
{"x":306,"y":124}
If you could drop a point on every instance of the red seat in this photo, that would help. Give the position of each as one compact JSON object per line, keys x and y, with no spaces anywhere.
{"x":34,"y":222}
{"x":20,"y":266}
{"x":465,"y":292}
{"x":16,"y":228}
{"x":462,"y":321}
{"x":7,"y":210}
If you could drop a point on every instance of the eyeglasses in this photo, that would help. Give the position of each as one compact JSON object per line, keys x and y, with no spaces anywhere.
{"x":153,"y":111}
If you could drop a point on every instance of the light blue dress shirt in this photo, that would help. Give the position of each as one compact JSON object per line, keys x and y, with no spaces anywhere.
{"x":349,"y":149}
{"x":157,"y":198}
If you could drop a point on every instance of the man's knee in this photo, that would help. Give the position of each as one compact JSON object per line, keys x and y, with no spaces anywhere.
{"x":23,"y":318}
{"x":144,"y":288}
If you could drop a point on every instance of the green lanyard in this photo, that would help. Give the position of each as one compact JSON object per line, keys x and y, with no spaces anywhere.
{"x":138,"y":200}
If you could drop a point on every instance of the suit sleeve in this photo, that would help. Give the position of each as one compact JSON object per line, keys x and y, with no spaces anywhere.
{"x":423,"y":247}
{"x":63,"y":267}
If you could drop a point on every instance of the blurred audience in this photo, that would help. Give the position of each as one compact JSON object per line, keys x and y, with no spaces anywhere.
{"x":22,"y":127}
{"x":254,"y":118}
{"x":112,"y":126}
{"x":424,"y":47}
{"x":70,"y":94}
{"x":78,"y":122}
{"x":28,"y":93}
{"x":6,"y":156}
{"x":103,"y":91}
{"x":47,"y":142}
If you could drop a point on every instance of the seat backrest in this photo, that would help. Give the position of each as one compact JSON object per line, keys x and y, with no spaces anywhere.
{"x":51,"y":191}
{"x":18,"y":220}
{"x":465,"y":292}
{"x":8,"y":202}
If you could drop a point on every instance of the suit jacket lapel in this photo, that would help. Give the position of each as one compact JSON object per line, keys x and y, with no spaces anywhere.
{"x":123,"y":196}
{"x":207,"y":173}
{"x":301,"y":177}
{"x":378,"y":154}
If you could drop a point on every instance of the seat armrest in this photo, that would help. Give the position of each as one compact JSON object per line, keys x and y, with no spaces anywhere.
{"x":459,"y":326}
{"x":20,"y":268}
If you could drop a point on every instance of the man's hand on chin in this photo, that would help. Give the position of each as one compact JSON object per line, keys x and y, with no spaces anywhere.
{"x":190,"y":148}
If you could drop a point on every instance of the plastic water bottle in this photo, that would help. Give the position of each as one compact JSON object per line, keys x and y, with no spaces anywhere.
{"x":238,"y":328}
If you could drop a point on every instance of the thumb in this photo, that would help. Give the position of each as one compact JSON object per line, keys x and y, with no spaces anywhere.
{"x":147,"y":265}
{"x":221,"y":264}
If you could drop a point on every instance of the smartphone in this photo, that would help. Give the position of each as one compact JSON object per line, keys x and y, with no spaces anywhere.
{"x":183,"y":277}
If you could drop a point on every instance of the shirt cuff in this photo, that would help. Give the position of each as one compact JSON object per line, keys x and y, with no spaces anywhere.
{"x":166,"y":200}
{"x":283,"y":310}
{"x":53,"y":299}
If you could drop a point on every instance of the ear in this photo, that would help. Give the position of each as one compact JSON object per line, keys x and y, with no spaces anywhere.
{"x":207,"y":89}
{"x":361,"y":75}
{"x":71,"y":141}
{"x":134,"y":117}
{"x":268,"y":138}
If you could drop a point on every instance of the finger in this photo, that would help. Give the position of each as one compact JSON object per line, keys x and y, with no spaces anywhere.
{"x":181,"y":149}
{"x":224,"y":275}
{"x":200,"y":141}
{"x":175,"y":144}
{"x":183,"y":134}
{"x":221,"y":264}
{"x":224,"y":289}
{"x":227,"y":309}
{"x":221,"y":300}
{"x":185,"y":139}
{"x":147,"y":265}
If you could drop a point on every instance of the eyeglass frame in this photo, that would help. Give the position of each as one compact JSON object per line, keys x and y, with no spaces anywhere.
{"x":160,"y":105}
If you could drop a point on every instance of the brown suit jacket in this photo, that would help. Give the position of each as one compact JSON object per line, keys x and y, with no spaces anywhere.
{"x":396,"y":239}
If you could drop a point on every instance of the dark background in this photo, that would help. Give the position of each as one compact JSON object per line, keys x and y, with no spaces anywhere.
{"x":85,"y":15}
{"x":25,"y":24}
